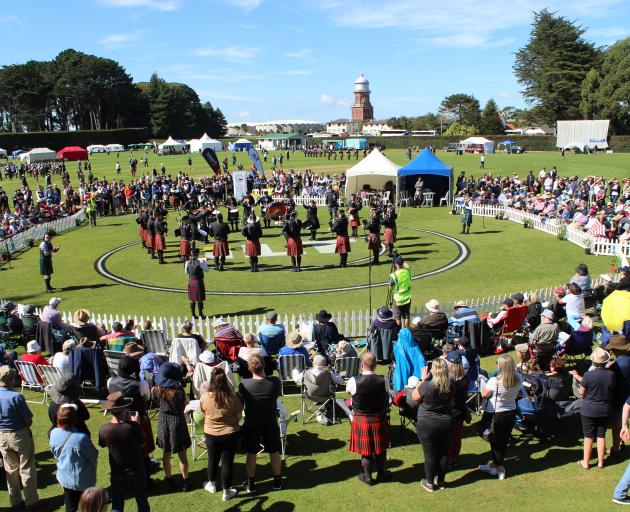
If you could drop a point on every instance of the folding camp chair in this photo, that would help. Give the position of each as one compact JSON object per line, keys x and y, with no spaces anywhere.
{"x":512,"y":324}
{"x":317,"y":406}
{"x":6,"y":336}
{"x":578,"y":346}
{"x":31,"y":379}
{"x":155,"y":341}
{"x":360,"y":346}
{"x":113,"y":357}
{"x":349,"y":365}
{"x":50,"y":375}
{"x":197,"y":436}
{"x":187,"y":347}
{"x":473,"y":394}
{"x":286,"y":365}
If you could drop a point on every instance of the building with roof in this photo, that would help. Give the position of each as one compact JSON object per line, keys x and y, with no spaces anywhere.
{"x":278,"y":126}
{"x":280,"y":141}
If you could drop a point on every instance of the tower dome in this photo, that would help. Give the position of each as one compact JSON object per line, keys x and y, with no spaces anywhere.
{"x":361,"y":84}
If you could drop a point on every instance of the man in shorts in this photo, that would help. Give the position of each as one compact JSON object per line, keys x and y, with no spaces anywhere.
{"x":260,"y":394}
{"x":400,"y":285}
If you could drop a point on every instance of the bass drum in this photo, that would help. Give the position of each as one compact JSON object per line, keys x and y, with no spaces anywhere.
{"x":276,"y":210}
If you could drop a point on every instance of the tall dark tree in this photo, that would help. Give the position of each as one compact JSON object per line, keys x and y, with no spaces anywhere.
{"x":552,"y":66}
{"x":461,"y":108}
{"x":491,"y":123}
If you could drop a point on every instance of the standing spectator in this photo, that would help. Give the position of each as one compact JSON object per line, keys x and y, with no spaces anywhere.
{"x":172,"y":429}
{"x":260,"y":395}
{"x":596,"y":389}
{"x":16,"y":444}
{"x":620,"y":495}
{"x":458,"y":376}
{"x":75,"y":455}
{"x":400,"y":287}
{"x":67,"y":391}
{"x":501,"y":392}
{"x":124,"y":440}
{"x":435,"y":422}
{"x":222,"y":409}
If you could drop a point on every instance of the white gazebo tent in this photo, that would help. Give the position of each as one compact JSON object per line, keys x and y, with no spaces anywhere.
{"x":38,"y":155}
{"x":173,"y":146}
{"x":488,"y":145}
{"x":374,"y":170}
{"x":205,"y":142}
{"x":114,"y":147}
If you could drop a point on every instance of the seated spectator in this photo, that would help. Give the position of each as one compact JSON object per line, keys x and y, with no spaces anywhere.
{"x":408,"y":407}
{"x":29,"y":320}
{"x":7,"y":357}
{"x":271,"y":333}
{"x":543,"y":339}
{"x":251,"y":347}
{"x":294,"y":345}
{"x":496,"y":321}
{"x":319,"y":383}
{"x":582,"y":278}
{"x":558,"y":381}
{"x":81,"y":326}
{"x":51,"y":315}
{"x":534,"y":310}
{"x":605,"y":289}
{"x":462,"y":314}
{"x":226,"y":336}
{"x":68,"y":391}
{"x":112,"y":338}
{"x":61,"y":360}
{"x":14,"y":323}
{"x":187,"y":329}
{"x":422,"y":336}
{"x":130,"y":329}
{"x":325,"y":332}
{"x":34,"y":354}
{"x":555,"y":305}
{"x":383,"y":333}
{"x":436,"y":320}
{"x":409,"y":359}
{"x":519,"y":299}
{"x":469,"y":357}
{"x":343,"y":349}
{"x":574,"y":305}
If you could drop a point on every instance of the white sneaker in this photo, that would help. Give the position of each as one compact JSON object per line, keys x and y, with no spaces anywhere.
{"x":210,"y":487}
{"x":228,"y":494}
{"x":501,"y":474}
{"x":487,"y":468}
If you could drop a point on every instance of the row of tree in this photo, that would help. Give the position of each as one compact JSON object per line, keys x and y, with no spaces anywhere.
{"x":77,"y":91}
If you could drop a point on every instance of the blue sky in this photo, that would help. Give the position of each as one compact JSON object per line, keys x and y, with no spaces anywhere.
{"x":274,"y":59}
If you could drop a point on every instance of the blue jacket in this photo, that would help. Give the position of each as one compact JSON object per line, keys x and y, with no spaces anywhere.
{"x":409,"y":359}
{"x":76,"y":459}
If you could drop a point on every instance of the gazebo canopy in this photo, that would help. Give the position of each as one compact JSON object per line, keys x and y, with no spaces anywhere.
{"x":437,"y":175}
{"x":374,"y":170}
{"x":72,"y":153}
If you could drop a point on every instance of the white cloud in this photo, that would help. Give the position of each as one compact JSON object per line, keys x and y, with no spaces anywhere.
{"x":243,"y":115}
{"x":158,"y":5}
{"x":246,"y":5}
{"x":299,"y":54}
{"x":505,"y":95}
{"x":326,"y":99}
{"x":230,"y":53}
{"x":118,"y":40}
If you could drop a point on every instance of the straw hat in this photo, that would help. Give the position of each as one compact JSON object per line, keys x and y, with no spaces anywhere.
{"x":81,"y":316}
{"x":116,"y":401}
{"x":293,"y":340}
{"x":600,"y":356}
{"x":433,"y":306}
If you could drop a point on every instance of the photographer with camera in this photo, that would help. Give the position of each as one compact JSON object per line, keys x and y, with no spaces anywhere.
{"x":400,"y":288}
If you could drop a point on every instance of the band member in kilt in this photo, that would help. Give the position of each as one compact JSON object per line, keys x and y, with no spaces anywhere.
{"x":332,"y":202}
{"x":264,"y":201}
{"x":370,"y":436}
{"x":248,"y":207}
{"x":340,"y":227}
{"x":389,"y":223}
{"x":159,"y":242}
{"x":252,"y":232}
{"x":233,"y":216}
{"x":292,"y":231}
{"x":354,"y":205}
{"x":151,"y":236}
{"x":46,"y":250}
{"x":467,"y":214}
{"x":220,"y":231}
{"x":312,"y":222}
{"x":186,"y":232}
{"x":195,"y":268}
{"x":373,"y":227}
{"x":143,"y":218}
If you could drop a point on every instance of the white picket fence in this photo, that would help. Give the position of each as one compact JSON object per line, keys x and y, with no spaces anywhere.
{"x":599,"y":246}
{"x":36,"y":233}
{"x":353,"y":324}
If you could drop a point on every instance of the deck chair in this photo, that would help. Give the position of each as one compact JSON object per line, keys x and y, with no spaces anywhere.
{"x":349,"y":365}
{"x":31,"y":379}
{"x":272,"y":344}
{"x":113,"y":357}
{"x":360,"y":346}
{"x":154,"y":341}
{"x":512,"y":324}
{"x":187,"y":347}
{"x":286,"y":365}
{"x":50,"y":375}
{"x":314,"y":406}
{"x":197,"y":436}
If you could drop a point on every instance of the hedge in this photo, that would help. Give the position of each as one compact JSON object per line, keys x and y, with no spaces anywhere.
{"x":58,"y":140}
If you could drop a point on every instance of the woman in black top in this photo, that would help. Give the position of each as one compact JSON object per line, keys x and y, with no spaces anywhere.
{"x":435,"y":422}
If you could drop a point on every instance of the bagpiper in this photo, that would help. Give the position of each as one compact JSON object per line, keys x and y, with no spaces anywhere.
{"x":142,"y":219}
{"x":292,"y":230}
{"x":354,"y":205}
{"x":389,"y":223}
{"x":187,"y":233}
{"x":196,"y":286}
{"x":340,"y":227}
{"x":160,"y":238}
{"x":312,"y":222}
{"x":252,"y":232}
{"x":373,"y":227}
{"x":220,"y":231}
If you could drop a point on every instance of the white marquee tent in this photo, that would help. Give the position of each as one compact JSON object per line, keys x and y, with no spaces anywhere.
{"x":583,"y":133}
{"x":205,"y":142}
{"x":114,"y":147}
{"x":172,"y":146}
{"x":488,"y":145}
{"x":96,"y":148}
{"x":38,"y":155}
{"x":374,"y":170}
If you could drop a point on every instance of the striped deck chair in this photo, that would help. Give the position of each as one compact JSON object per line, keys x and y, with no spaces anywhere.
{"x":31,"y":379}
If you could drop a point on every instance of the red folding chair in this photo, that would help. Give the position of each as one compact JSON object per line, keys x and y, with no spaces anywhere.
{"x":512,"y":324}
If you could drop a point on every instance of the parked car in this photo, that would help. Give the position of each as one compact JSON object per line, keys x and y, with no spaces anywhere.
{"x":451,"y":147}
{"x":515,"y":150}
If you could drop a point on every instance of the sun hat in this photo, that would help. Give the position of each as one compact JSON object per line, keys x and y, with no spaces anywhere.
{"x":547,"y":313}
{"x":319,"y":361}
{"x":600,"y":356}
{"x":207,"y":357}
{"x":7,"y":375}
{"x":460,"y":304}
{"x":323,"y":316}
{"x":218,"y":321}
{"x":416,"y":320}
{"x":81,"y":316}
{"x":115,"y":401}
{"x":293,"y":340}
{"x":66,"y":390}
{"x":132,"y":349}
{"x":433,"y":306}
{"x":618,"y":342}
{"x":54,"y":302}
{"x":169,"y":376}
{"x":33,"y":347}
{"x":384,"y":314}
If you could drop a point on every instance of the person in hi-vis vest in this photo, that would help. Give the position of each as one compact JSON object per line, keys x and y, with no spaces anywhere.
{"x":400,"y":285}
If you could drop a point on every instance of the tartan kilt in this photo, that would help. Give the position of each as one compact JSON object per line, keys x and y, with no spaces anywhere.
{"x":196,"y":290}
{"x":184,"y":248}
{"x":150,"y":240}
{"x":175,"y":201}
{"x":45,"y":266}
{"x":354,"y":222}
{"x":390,"y":235}
{"x":220,"y":248}
{"x":252,"y":248}
{"x":142,"y":232}
{"x":343,"y":245}
{"x":467,"y":217}
{"x":374,"y":241}
{"x":159,"y":243}
{"x":369,"y":435}
{"x":294,"y":246}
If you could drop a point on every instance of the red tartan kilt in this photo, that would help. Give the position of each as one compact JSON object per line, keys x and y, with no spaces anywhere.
{"x":175,"y":201}
{"x":294,"y":246}
{"x":252,"y":248}
{"x":184,"y":248}
{"x":143,"y":233}
{"x":354,"y":222}
{"x":390,"y":235}
{"x":149,"y":239}
{"x":374,"y":241}
{"x":220,"y":248}
{"x":369,"y":435}
{"x":159,"y":242}
{"x":343,"y":245}
{"x":196,"y":290}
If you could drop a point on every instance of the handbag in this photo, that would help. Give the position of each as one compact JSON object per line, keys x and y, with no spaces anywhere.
{"x":485,"y":427}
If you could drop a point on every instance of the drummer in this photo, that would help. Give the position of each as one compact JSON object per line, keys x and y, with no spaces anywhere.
{"x":232,"y":207}
{"x":312,"y":222}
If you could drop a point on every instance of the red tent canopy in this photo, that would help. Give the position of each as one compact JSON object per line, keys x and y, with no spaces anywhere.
{"x":72,"y":153}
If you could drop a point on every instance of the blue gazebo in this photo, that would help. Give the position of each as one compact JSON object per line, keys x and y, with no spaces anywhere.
{"x":437,"y":175}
